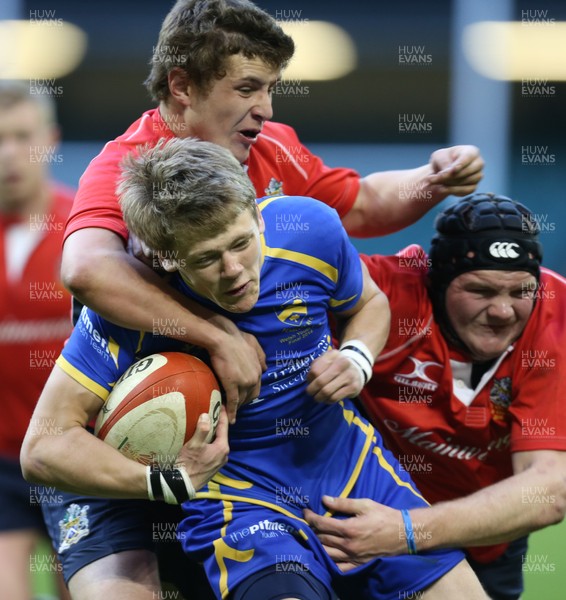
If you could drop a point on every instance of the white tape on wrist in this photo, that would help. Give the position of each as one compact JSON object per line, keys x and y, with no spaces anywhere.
{"x":171,"y":485}
{"x":360,"y":355}
{"x":188,"y":483}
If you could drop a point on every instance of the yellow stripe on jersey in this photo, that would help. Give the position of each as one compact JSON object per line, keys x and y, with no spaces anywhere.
{"x":304,"y":259}
{"x":138,"y":349}
{"x":114,"y":349}
{"x":237,"y":484}
{"x":223,"y":551}
{"x":335,"y":303}
{"x":218,"y":495}
{"x":227,"y":511}
{"x":368,"y":430}
{"x":81,"y":378}
{"x":268,"y":201}
{"x":387,"y":467}
{"x":347,"y":414}
{"x":227,"y":516}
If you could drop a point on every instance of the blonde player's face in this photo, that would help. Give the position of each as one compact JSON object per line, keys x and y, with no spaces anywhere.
{"x":27,"y":144}
{"x":489,"y":309}
{"x":226,"y":268}
{"x":232,"y":113}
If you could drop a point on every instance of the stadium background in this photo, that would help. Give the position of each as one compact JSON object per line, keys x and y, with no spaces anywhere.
{"x":354,"y":120}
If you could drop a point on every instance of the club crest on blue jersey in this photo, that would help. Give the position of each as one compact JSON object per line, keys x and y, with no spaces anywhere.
{"x":275,"y":188}
{"x":74,"y":526}
{"x":294,"y":312}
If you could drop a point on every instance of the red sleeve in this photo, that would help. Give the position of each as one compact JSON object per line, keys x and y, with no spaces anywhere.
{"x":96,"y":204}
{"x":386,"y":271}
{"x":537,"y":407}
{"x":401,"y":279}
{"x":280,"y":159}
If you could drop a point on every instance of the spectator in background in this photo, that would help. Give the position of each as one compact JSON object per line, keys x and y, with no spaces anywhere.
{"x":34,"y":311}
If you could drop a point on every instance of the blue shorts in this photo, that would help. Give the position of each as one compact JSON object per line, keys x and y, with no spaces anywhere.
{"x":20,"y":500}
{"x":84,"y":529}
{"x":237,"y":528}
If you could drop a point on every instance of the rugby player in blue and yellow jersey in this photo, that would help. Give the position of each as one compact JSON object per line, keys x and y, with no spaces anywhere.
{"x":275,"y":268}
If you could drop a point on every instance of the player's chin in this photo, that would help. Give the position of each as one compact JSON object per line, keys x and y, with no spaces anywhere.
{"x":241,"y":151}
{"x":243,"y":305}
{"x":487,"y":349}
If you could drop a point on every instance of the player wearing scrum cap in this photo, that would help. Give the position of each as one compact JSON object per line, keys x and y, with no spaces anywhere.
{"x":468,"y":393}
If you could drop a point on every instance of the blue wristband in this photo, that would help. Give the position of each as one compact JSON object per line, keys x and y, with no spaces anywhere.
{"x":409,"y":531}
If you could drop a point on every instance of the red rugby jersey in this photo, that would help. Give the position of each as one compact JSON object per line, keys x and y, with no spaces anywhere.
{"x":452,"y":439}
{"x":278,"y":163}
{"x":35,"y":317}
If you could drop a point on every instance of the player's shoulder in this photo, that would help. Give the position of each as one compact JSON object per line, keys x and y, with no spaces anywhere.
{"x":401,"y":276}
{"x":103,"y":335}
{"x":149,"y":127}
{"x":300,"y":209}
{"x":546,"y":326}
{"x":302,"y":224}
{"x":278,"y":132}
{"x":550,"y":299}
{"x":143,"y":131}
{"x":551,"y":279}
{"x":411,"y":261}
{"x":92,"y":321}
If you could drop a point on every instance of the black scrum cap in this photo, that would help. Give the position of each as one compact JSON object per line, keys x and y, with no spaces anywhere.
{"x":484,"y":232}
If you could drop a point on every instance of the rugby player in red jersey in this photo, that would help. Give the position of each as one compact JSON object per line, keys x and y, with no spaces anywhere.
{"x":468,"y":393}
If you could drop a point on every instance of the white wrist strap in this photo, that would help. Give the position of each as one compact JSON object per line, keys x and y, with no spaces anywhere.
{"x":150,"y":495}
{"x":172,"y":485}
{"x":360,"y":356}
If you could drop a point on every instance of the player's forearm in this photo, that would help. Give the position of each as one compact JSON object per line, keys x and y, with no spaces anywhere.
{"x":369,"y":323}
{"x":76,"y":461}
{"x":499,"y":513}
{"x":390,"y":201}
{"x":370,"y":326}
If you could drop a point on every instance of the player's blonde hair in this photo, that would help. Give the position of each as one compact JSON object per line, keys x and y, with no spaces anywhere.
{"x":181,"y":191}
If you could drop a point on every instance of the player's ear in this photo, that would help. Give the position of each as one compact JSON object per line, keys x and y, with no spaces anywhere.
{"x":260,"y":221}
{"x":168,"y":264}
{"x":179,"y":86}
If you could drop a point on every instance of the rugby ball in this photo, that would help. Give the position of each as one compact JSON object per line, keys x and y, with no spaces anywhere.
{"x":154,"y":407}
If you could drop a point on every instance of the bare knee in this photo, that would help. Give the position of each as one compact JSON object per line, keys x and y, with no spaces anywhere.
{"x":130,"y":575}
{"x":16,"y":549}
{"x":460,"y":582}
